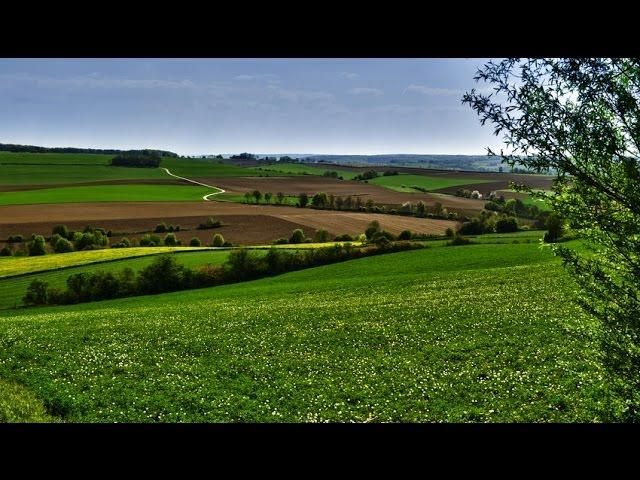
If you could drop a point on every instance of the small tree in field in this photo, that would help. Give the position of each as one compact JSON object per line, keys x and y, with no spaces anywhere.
{"x":322,"y":236}
{"x":257,"y":196}
{"x":303,"y":200}
{"x":194,"y":242}
{"x":267,"y":197}
{"x":170,"y":240}
{"x":279,"y":198}
{"x":218,"y":240}
{"x":247,"y":197}
{"x":579,"y":119}
{"x":36,"y":293}
{"x":37,"y":246}
{"x":297,"y":236}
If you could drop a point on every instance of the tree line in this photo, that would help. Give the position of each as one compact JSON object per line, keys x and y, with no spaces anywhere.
{"x":8,"y":147}
{"x":138,"y":160}
{"x":165,"y":274}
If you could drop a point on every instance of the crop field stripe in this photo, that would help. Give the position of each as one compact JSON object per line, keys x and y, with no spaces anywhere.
{"x":15,"y":266}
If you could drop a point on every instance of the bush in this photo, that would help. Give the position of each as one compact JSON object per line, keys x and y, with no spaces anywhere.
{"x":6,"y":251}
{"x":15,"y":239}
{"x":459,"y":240}
{"x":322,"y":236}
{"x":160,"y":228}
{"x":449,"y":232}
{"x":473,"y":227}
{"x":555,"y":227}
{"x":218,"y":240}
{"x":303,"y":200}
{"x":344,"y":238}
{"x":195,"y":242}
{"x":63,"y":245}
{"x":210,"y":223}
{"x":61,"y":230}
{"x":281,"y":241}
{"x":507,"y":225}
{"x":54,"y":238}
{"x":405,"y":235}
{"x":123,"y":243}
{"x":170,"y":240}
{"x":383,"y":234}
{"x":36,"y":293}
{"x":163,"y":275}
{"x":36,"y":247}
{"x":297,"y":236}
{"x":372,"y":229}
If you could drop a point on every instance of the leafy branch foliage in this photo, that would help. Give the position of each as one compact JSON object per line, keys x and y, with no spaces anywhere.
{"x":581,"y":119}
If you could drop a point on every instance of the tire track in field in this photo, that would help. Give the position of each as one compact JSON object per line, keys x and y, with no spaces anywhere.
{"x":205,"y":197}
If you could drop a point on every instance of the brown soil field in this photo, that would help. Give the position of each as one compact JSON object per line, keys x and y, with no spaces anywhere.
{"x":244,"y":224}
{"x":312,"y":184}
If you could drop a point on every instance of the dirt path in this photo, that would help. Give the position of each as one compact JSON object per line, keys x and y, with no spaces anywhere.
{"x":205,"y":197}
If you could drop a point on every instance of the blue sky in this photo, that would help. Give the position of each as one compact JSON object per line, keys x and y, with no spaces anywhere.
{"x":193,"y":106}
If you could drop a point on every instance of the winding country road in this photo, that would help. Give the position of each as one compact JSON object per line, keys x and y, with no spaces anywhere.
{"x":205,"y":197}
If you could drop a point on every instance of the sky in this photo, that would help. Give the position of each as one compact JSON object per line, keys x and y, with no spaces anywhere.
{"x":211,"y":106}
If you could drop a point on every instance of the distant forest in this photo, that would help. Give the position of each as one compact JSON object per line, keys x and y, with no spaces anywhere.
{"x":7,"y":147}
{"x":481,"y":163}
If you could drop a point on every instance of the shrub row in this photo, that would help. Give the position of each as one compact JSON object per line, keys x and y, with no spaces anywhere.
{"x":166,"y":275}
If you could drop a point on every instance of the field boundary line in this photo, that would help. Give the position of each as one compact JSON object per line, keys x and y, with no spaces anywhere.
{"x":205,"y":197}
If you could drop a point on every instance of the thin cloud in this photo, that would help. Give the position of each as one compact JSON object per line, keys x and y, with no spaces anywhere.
{"x":375,"y":92}
{"x":431,"y":91}
{"x":349,"y":75}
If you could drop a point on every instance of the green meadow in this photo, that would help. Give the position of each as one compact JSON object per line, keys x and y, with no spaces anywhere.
{"x":482,"y":333}
{"x":106,"y":193}
{"x":59,"y":168}
{"x":406,"y":182}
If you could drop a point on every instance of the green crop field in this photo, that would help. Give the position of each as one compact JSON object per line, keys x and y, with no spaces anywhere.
{"x":405,"y":182}
{"x":25,"y":158}
{"x":10,"y":266}
{"x":65,"y":174}
{"x":472,"y":333}
{"x":12,"y":289}
{"x":58,"y":168}
{"x":107,"y":193}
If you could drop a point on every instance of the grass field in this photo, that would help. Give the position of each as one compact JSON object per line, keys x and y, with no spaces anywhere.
{"x":58,"y":168}
{"x":405,"y":182}
{"x":106,"y":193}
{"x":472,"y":333}
{"x":54,"y":158}
{"x":10,"y":266}
{"x":12,"y":289}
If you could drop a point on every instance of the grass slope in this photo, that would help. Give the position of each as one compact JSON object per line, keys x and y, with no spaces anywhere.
{"x":405,"y":182}
{"x":473,"y":333}
{"x":106,"y":193}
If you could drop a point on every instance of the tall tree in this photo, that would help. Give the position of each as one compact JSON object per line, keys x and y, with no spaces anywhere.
{"x":580,"y":118}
